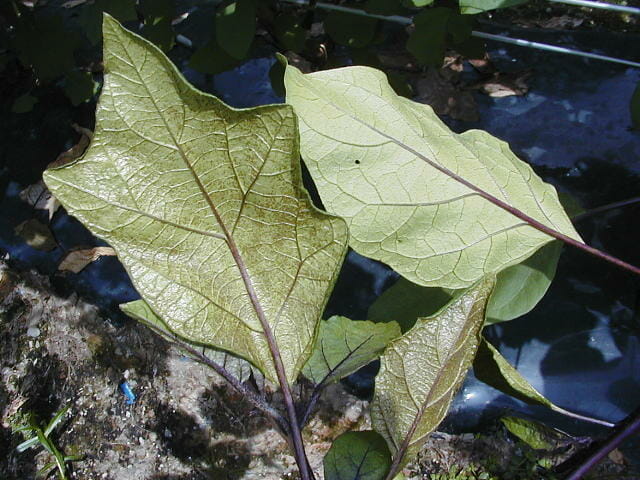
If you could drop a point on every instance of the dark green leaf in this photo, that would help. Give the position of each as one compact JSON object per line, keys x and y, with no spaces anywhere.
{"x":343,"y":346}
{"x":351,"y":30}
{"x":212,"y":59}
{"x":37,"y":235}
{"x":289,"y":32}
{"x":46,"y":45}
{"x":635,"y":108}
{"x":419,"y":3}
{"x":400,"y":84}
{"x":383,"y":7}
{"x":405,"y":302}
{"x":427,"y":42}
{"x":357,"y":456}
{"x":276,"y":76}
{"x":236,"y":26}
{"x":80,"y":86}
{"x":91,"y":15}
{"x":158,"y":15}
{"x":24,"y":103}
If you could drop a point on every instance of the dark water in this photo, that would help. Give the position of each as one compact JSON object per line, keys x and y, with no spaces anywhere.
{"x":580,"y":346}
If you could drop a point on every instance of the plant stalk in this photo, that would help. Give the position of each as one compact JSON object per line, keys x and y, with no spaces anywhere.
{"x":626,"y":429}
{"x":605,"y":208}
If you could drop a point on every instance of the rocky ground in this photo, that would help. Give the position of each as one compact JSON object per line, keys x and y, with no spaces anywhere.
{"x":185,"y":423}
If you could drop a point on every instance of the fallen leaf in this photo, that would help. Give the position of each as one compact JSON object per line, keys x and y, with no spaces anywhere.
{"x":40,"y":198}
{"x":75,"y":260}
{"x":502,"y":84}
{"x":617,"y":457}
{"x":77,"y":150}
{"x":37,"y":235}
{"x":439,"y":89}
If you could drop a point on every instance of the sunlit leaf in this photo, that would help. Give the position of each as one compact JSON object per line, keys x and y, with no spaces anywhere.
{"x":141,"y":311}
{"x":421,"y":371}
{"x":205,"y":208}
{"x":387,"y":165}
{"x":534,"y":434}
{"x":343,"y":346}
{"x":351,"y":30}
{"x":492,"y":368}
{"x":357,"y":456}
{"x":479,"y":6}
{"x":236,"y":26}
{"x":520,"y":287}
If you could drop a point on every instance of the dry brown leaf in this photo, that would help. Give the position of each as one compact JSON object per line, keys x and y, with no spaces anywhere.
{"x":40,"y":198}
{"x":77,"y":150}
{"x":36,"y":235}
{"x":617,"y":457}
{"x":505,"y":84}
{"x":75,"y":260}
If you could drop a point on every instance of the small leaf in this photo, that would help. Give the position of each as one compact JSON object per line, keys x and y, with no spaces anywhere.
{"x":357,"y":456}
{"x":236,"y":26}
{"x":289,"y":32}
{"x":205,"y":207}
{"x":75,"y":260}
{"x":351,"y":30}
{"x":36,"y":235}
{"x":343,"y":346}
{"x":24,"y":103}
{"x":493,"y":369}
{"x":634,"y":107}
{"x":479,"y":6}
{"x":402,"y":181}
{"x":534,"y":434}
{"x":80,"y":87}
{"x":421,"y":371}
{"x":141,"y":311}
{"x":520,"y":287}
{"x":405,"y":302}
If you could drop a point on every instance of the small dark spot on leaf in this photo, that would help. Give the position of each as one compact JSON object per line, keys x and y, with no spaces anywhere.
{"x":357,"y":162}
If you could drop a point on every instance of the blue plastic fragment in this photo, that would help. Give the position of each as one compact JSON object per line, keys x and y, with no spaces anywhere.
{"x":128,"y":393}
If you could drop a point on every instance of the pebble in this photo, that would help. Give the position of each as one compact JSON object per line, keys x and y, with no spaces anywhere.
{"x":33,"y":332}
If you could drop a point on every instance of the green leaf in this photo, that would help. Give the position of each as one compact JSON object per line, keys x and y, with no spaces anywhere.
{"x":24,"y":103}
{"x":427,"y":42}
{"x":383,"y":7}
{"x":158,"y":15}
{"x":80,"y":87}
{"x":479,"y":6}
{"x":387,"y":165}
{"x":46,"y":44}
{"x":289,"y":32}
{"x":519,"y":288}
{"x":493,"y":369}
{"x":343,"y":346}
{"x":91,"y":15}
{"x":351,"y":30}
{"x":205,"y":208}
{"x":405,"y":302}
{"x":421,"y":371}
{"x":212,"y":59}
{"x":141,"y":311}
{"x":236,"y":26}
{"x":420,"y":3}
{"x":634,"y":107}
{"x":534,"y":434}
{"x":360,"y":455}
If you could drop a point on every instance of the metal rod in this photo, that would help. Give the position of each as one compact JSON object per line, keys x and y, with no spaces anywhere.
{"x":601,"y":5}
{"x":487,"y":36}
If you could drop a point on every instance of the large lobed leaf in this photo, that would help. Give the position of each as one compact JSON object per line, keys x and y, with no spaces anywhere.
{"x":421,"y":371}
{"x":204,"y":207}
{"x":373,"y":156}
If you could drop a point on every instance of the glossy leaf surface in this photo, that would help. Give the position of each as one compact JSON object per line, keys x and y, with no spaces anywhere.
{"x":357,"y":456}
{"x":141,"y":311}
{"x":386,"y":165}
{"x":205,"y":208}
{"x":344,"y":345}
{"x":534,"y":434}
{"x":422,"y":370}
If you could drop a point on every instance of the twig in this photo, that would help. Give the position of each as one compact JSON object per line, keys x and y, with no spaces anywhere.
{"x":628,"y":427}
{"x":605,"y":208}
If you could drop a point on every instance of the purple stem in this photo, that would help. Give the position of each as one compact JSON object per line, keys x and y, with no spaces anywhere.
{"x":625,"y":430}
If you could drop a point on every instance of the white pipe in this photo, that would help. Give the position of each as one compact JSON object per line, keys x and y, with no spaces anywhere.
{"x":601,"y":5}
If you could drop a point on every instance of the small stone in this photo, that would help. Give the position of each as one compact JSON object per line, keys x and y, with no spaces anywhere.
{"x":167,"y":433}
{"x":33,"y":332}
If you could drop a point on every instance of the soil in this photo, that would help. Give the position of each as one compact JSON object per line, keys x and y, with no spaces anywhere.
{"x":185,"y":422}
